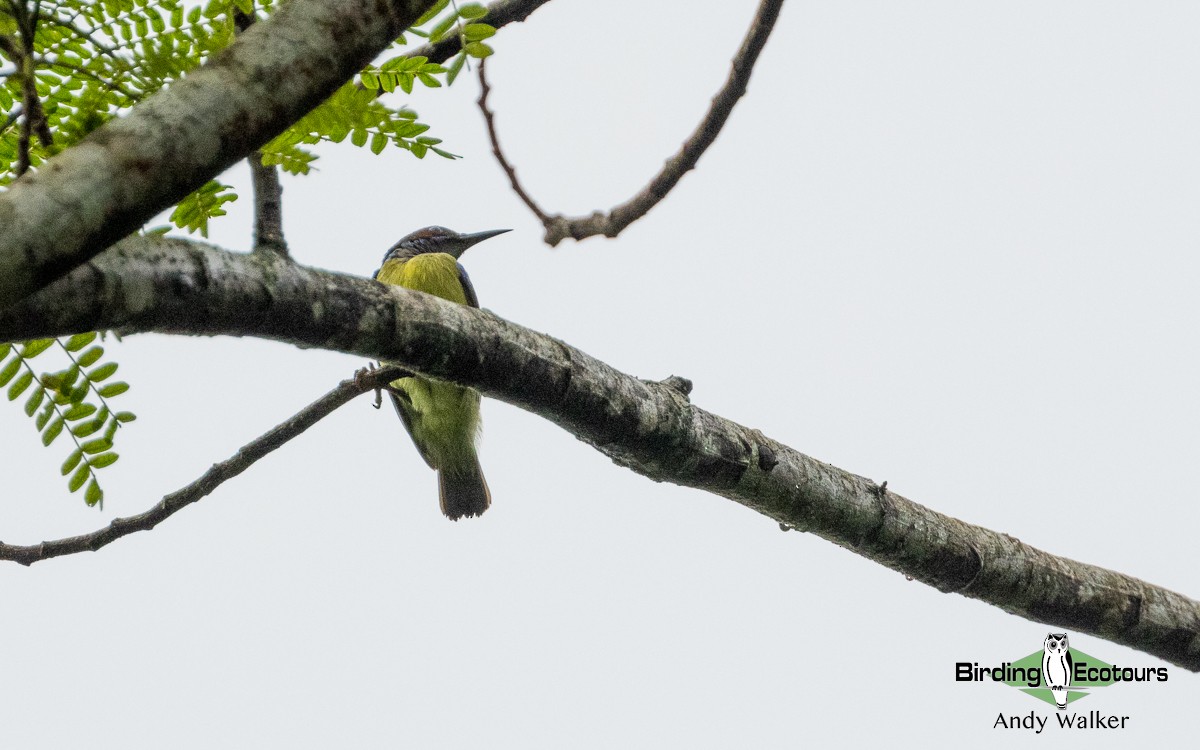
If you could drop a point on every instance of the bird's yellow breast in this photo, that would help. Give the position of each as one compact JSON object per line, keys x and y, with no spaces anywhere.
{"x":432,"y":273}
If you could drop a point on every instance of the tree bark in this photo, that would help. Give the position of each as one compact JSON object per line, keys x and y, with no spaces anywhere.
{"x":184,"y":287}
{"x":124,"y":173}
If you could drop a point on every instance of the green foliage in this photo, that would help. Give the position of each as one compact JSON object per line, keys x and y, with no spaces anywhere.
{"x":73,"y":400}
{"x":471,"y":34}
{"x":69,"y":66}
{"x":356,"y":113}
{"x":194,"y":211}
{"x":92,"y":61}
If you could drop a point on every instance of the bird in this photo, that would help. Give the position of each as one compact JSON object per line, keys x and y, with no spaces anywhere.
{"x":442,"y":418}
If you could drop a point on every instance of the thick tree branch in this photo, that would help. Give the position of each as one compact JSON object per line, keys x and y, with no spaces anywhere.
{"x":559,"y":227}
{"x":178,"y":286}
{"x":125,"y":172}
{"x":220,"y":472}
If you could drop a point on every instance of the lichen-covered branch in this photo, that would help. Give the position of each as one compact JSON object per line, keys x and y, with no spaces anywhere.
{"x":559,"y":227}
{"x":125,"y":172}
{"x":178,"y":286}
{"x":218,"y":473}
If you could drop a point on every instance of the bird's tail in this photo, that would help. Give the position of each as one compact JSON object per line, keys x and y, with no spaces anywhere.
{"x":463,"y":490}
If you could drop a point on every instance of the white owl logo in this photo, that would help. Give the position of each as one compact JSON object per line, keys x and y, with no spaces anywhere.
{"x":1057,"y":667}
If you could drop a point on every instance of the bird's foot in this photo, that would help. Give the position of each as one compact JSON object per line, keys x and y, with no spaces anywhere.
{"x":362,"y":380}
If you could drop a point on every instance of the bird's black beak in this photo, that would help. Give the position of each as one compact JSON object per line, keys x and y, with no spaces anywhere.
{"x":467,"y":240}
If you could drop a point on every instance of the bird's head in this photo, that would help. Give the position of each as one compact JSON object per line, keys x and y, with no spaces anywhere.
{"x":437,"y":240}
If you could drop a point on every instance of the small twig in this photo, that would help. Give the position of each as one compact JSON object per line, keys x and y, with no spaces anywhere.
{"x":268,"y":207}
{"x":268,"y":192}
{"x":559,"y":227}
{"x":499,"y":13}
{"x":33,"y":119}
{"x":489,"y":119}
{"x":109,"y":85}
{"x":246,"y":457}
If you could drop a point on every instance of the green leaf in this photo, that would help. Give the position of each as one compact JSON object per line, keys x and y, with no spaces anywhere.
{"x":90,"y":356}
{"x":125,"y":416}
{"x":103,"y":372}
{"x":430,"y":14}
{"x":9,"y":370}
{"x":369,"y":80}
{"x":472,"y":11}
{"x":104,"y":459}
{"x":79,"y":340}
{"x":94,"y":494}
{"x":4,"y":350}
{"x":78,"y":478}
{"x":96,"y":446}
{"x":52,"y":431}
{"x":455,"y":67}
{"x":477,"y":32}
{"x":72,"y":461}
{"x":113,"y":389}
{"x":19,"y":385}
{"x":439,"y":31}
{"x":35,"y":400}
{"x":44,"y":417}
{"x":378,"y":143}
{"x":78,"y":411}
{"x":83,"y":429}
{"x":478,"y":49}
{"x":36,"y":347}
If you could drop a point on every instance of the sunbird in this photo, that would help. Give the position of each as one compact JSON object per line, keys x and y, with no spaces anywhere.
{"x":442,"y":418}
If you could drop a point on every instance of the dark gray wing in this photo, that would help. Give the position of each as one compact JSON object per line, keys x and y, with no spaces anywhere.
{"x":472,"y":300}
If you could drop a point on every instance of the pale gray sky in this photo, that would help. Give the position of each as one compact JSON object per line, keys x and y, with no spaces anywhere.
{"x":949,"y":245}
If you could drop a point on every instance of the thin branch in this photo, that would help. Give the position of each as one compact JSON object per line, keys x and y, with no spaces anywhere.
{"x":268,"y":207}
{"x":219,"y":473}
{"x":559,"y":227}
{"x":489,"y":119}
{"x":499,"y":13}
{"x":172,"y":285}
{"x":79,"y":70}
{"x":268,"y":192}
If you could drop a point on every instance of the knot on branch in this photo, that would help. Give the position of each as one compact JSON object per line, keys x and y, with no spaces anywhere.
{"x":766,"y":457}
{"x":559,"y":227}
{"x":680,"y":385}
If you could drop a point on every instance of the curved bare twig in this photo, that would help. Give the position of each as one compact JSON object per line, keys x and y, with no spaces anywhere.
{"x":490,"y":120}
{"x":220,"y":472}
{"x":559,"y":227}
